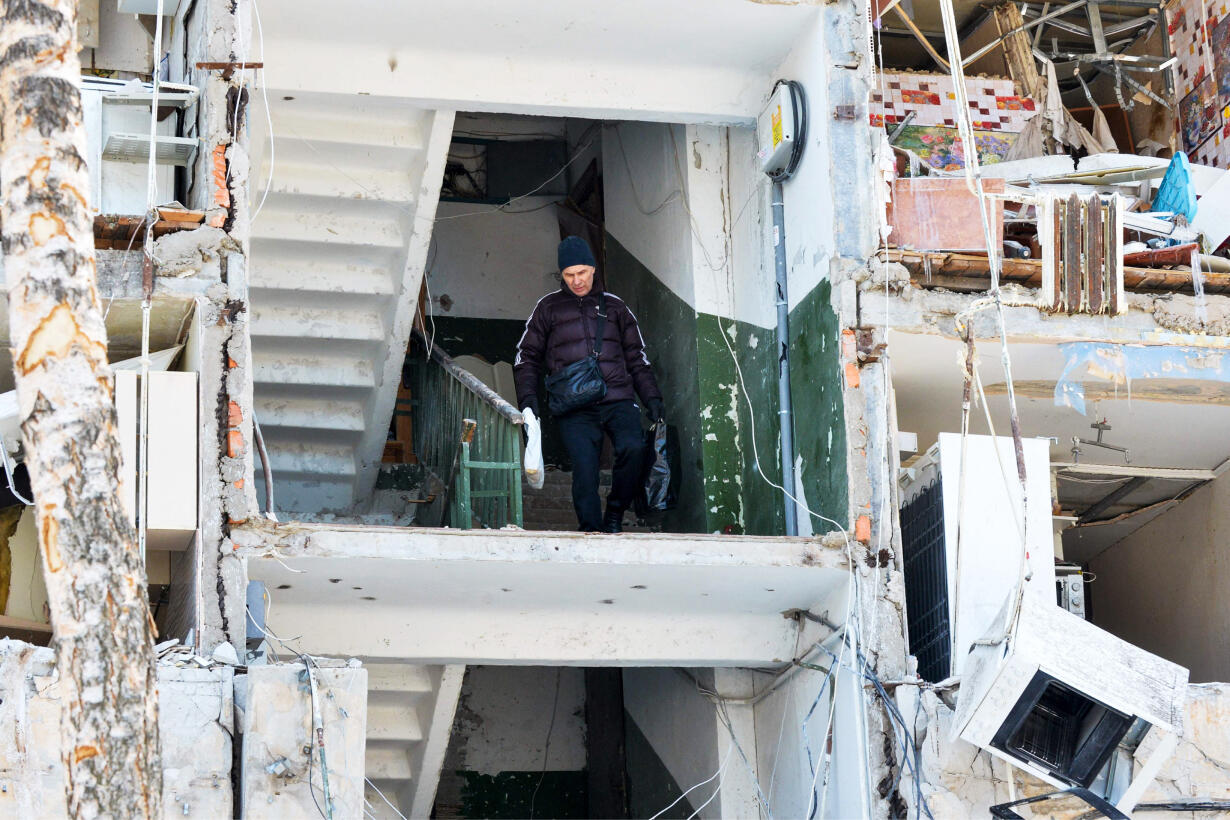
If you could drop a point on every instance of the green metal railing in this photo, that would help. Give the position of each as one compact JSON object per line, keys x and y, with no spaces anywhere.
{"x":470,"y":438}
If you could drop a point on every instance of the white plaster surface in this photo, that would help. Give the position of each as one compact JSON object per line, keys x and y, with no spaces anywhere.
{"x":277,"y":730}
{"x":679,"y":60}
{"x":493,"y":264}
{"x":1164,"y":586}
{"x":541,"y":597}
{"x":195,"y":721}
{"x":27,"y":589}
{"x":506,"y":715}
{"x":811,"y":215}
{"x":680,"y":725}
{"x":641,"y":170}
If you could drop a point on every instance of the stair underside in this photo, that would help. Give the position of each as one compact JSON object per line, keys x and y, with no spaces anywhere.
{"x":339,"y":238}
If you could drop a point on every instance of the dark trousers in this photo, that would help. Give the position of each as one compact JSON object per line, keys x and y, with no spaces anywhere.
{"x":582,"y":431}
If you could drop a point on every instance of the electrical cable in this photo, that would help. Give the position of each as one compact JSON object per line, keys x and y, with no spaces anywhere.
{"x":385,"y":799}
{"x":260,"y":31}
{"x":546,"y":750}
{"x":973,"y":178}
{"x":266,"y":470}
{"x":721,"y":767}
{"x":724,"y":718}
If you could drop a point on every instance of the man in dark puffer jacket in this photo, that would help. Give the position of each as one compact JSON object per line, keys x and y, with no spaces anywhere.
{"x":561,"y":331}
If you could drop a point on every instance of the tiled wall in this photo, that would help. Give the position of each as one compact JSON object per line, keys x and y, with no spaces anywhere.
{"x":994,"y":104}
{"x":1201,"y":44}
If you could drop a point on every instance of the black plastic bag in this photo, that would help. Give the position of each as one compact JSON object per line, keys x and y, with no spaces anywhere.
{"x":659,"y":471}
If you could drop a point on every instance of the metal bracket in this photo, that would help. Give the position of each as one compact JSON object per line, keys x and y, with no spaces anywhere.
{"x":845,"y":112}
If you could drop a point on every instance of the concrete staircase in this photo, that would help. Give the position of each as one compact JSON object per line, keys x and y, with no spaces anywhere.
{"x":337,"y":256}
{"x":550,"y":509}
{"x":410,"y":709}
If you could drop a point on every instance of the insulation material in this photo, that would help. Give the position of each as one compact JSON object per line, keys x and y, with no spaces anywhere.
{"x":997,"y":111}
{"x":1199,"y":33}
{"x":941,"y":213}
{"x":1121,"y":365}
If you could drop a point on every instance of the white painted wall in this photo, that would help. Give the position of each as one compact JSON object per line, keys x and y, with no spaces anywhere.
{"x":810,"y":214}
{"x":672,"y":60}
{"x":1163,"y":587}
{"x":27,"y":590}
{"x":681,"y":726}
{"x":505,"y":713}
{"x":644,"y":188}
{"x":492,"y":264}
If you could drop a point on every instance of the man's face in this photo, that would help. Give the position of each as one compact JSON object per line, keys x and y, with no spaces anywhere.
{"x":579,"y":279}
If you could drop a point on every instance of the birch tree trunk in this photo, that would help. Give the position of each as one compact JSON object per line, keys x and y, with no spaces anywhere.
{"x":95,"y":579}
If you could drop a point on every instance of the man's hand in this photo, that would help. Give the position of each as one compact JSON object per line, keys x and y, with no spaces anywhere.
{"x":656,"y":410}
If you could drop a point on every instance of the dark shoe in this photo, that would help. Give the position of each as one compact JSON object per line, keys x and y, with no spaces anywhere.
{"x":613,"y":521}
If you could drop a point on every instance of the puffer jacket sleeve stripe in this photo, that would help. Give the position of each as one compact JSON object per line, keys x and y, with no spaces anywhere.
{"x":528,"y":365}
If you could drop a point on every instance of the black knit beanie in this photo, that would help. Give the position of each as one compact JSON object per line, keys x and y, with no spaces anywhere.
{"x":575,"y":251}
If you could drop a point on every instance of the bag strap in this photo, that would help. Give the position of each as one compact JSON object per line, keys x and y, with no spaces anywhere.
{"x":600,"y":328}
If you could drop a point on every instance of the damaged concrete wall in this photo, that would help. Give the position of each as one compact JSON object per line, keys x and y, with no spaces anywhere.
{"x":961,"y":781}
{"x":208,"y":583}
{"x":195,"y":723}
{"x":282,"y":772}
{"x":1174,"y":558}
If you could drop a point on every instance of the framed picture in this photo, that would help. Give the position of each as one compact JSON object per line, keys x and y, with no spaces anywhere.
{"x":1219,"y":43}
{"x":1199,"y":114}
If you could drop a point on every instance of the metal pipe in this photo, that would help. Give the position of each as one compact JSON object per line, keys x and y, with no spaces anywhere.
{"x":785,"y":413}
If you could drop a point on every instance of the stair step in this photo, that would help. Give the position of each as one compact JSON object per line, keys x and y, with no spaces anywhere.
{"x":342,"y":169}
{"x":347,"y":118}
{"x":300,"y":458}
{"x":398,"y":677}
{"x":387,"y":761}
{"x":333,"y":221}
{"x":278,"y":264}
{"x":320,"y":412}
{"x":337,"y":370}
{"x":393,"y":719}
{"x":298,"y":321}
{"x":307,"y":494}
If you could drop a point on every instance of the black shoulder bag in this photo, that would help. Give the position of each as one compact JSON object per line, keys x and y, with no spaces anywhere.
{"x":579,"y":384}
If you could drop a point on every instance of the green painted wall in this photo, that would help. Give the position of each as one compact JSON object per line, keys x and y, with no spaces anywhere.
{"x":512,"y":794}
{"x":819,"y":408}
{"x":721,"y":489}
{"x":669,"y":326}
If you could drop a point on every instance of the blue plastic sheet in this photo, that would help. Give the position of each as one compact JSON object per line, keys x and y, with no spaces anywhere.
{"x":1123,"y":364}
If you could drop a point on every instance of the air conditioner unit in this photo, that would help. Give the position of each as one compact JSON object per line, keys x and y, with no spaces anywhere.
{"x":1070,"y":589}
{"x":953,"y":596}
{"x":1058,"y":696}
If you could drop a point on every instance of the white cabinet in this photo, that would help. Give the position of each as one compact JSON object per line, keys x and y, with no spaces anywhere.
{"x":173,"y":455}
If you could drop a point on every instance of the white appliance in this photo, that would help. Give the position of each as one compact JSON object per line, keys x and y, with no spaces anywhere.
{"x":977,"y":578}
{"x":1060,"y":695}
{"x":776,"y":131}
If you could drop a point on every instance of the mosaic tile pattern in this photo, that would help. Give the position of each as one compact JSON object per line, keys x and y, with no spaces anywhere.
{"x":994,"y":105}
{"x":1202,"y":50}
